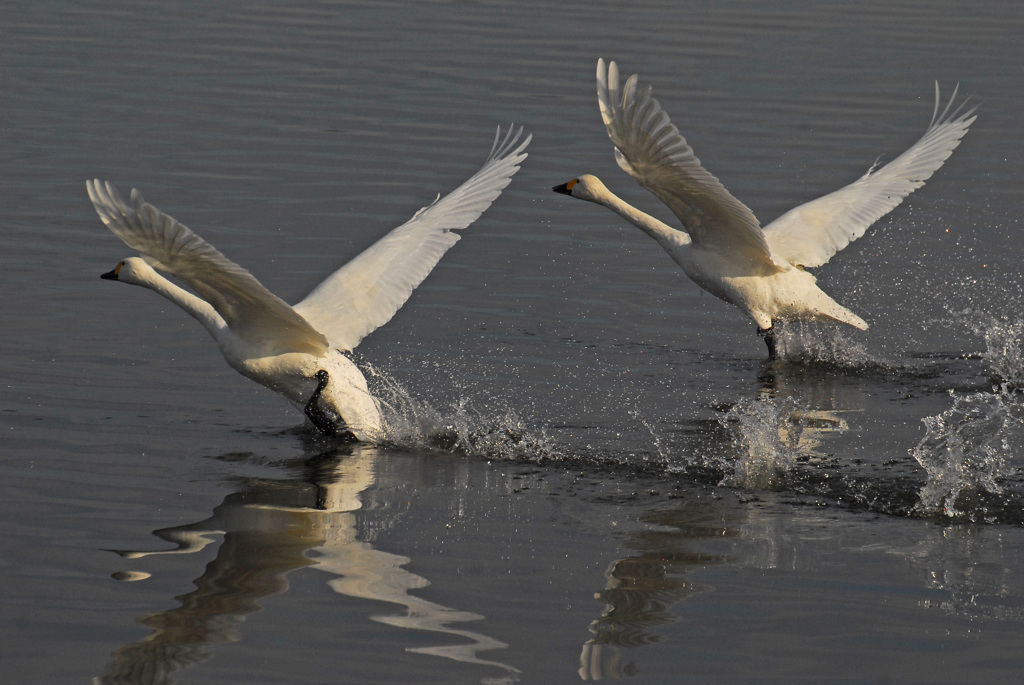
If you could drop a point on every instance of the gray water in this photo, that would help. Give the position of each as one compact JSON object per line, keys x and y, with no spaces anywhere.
{"x":635,"y":492}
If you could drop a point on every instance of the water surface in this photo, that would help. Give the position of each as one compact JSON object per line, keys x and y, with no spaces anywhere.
{"x":636,"y":493}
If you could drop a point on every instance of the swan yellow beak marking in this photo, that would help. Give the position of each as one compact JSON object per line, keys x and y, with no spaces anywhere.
{"x":566,"y":188}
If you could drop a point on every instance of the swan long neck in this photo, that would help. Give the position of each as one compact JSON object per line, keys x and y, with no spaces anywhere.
{"x":201,"y":310}
{"x":665,"y":235}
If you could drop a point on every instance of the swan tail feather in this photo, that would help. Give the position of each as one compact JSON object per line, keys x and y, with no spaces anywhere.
{"x":838,"y":312}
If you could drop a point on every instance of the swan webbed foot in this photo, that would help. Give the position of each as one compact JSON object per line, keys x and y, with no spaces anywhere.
{"x":768,"y":334}
{"x":320,"y":418}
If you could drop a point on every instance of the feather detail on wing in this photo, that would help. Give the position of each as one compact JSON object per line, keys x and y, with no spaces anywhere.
{"x":810,"y":234}
{"x":365,"y":293}
{"x":650,"y":148}
{"x":249,"y":309}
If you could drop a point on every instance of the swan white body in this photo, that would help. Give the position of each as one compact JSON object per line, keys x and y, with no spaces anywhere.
{"x":287,"y":348}
{"x":723,"y":247}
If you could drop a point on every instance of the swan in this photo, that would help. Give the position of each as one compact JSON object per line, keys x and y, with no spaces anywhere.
{"x":299,"y":351}
{"x":723,"y":247}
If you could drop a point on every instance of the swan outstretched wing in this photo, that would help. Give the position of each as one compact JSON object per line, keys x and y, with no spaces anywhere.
{"x":365,"y":293}
{"x":249,"y":309}
{"x":650,"y":148}
{"x":810,"y":234}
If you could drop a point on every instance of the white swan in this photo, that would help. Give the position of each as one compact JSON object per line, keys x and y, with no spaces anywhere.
{"x":723,"y":249}
{"x":299,"y":351}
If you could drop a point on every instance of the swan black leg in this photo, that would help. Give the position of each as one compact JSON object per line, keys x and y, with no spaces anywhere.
{"x":769,"y":339}
{"x":320,"y":418}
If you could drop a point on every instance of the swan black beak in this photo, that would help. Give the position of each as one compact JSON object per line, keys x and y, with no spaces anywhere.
{"x":112,"y":275}
{"x":563,"y":189}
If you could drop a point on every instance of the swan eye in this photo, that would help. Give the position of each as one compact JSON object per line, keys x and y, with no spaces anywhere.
{"x":570,"y":184}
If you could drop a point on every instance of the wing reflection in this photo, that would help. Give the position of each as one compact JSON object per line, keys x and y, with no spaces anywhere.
{"x":270,"y":528}
{"x":823,"y":396}
{"x":641,"y":589}
{"x":796,"y":411}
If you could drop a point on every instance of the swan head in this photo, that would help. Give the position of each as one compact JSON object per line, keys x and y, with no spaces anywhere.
{"x":133,"y":270}
{"x":586,"y":187}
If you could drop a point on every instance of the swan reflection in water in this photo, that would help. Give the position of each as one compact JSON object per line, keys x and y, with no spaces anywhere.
{"x":270,"y":528}
{"x":641,"y":589}
{"x":796,"y":411}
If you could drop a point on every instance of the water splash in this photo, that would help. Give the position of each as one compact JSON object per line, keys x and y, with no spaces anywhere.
{"x":808,"y":341}
{"x":968,"y":450}
{"x":1003,"y":354}
{"x":966,"y":454}
{"x":660,"y":450}
{"x":769,"y":431}
{"x":475,"y":424}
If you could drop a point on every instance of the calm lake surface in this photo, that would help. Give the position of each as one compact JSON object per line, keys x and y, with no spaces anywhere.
{"x":636,"y":493}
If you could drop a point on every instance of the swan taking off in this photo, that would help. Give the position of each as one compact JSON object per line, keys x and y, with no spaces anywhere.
{"x":723,"y":248}
{"x":299,"y":351}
